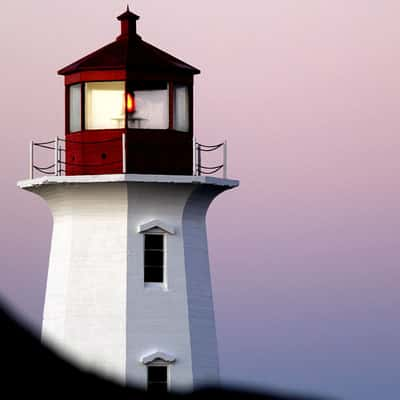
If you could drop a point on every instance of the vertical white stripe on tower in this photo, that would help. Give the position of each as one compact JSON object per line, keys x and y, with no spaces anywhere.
{"x":158,"y":316}
{"x":85,"y":306}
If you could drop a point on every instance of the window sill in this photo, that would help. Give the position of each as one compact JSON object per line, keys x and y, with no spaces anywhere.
{"x":155,"y":286}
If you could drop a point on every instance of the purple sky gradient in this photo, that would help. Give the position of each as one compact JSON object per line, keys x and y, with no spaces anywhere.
{"x":305,"y":254}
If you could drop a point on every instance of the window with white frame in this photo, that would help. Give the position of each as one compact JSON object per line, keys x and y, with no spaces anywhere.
{"x":154,"y":258}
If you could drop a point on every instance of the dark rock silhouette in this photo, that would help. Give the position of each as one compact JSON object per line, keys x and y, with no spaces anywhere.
{"x":31,"y":369}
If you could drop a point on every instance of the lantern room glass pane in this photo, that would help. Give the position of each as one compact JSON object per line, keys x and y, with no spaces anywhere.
{"x":181,"y":108}
{"x":148,"y":105}
{"x":104,"y":105}
{"x":75,"y":112}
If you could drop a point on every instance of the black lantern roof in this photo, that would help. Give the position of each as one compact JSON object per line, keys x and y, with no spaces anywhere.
{"x":129,"y":52}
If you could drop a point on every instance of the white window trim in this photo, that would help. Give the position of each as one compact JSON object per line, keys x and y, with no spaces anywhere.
{"x":158,"y":355}
{"x":158,"y":227}
{"x":156,"y":224}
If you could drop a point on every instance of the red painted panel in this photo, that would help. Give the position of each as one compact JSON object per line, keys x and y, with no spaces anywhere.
{"x":97,"y":152}
{"x":94,"y":152}
{"x":92,"y":76}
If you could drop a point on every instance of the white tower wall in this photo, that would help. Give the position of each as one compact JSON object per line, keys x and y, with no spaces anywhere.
{"x":98,"y":310}
{"x":85,"y":303}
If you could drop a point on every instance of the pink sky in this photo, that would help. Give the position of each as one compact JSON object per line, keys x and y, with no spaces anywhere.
{"x":305,"y":254}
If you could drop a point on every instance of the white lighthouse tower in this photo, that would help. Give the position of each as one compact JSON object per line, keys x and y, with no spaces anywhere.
{"x":128,"y":290}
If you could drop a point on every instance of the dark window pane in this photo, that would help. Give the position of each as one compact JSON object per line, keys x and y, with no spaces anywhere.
{"x":157,"y":379}
{"x":154,"y":242}
{"x":157,"y":374}
{"x":157,"y":387}
{"x":153,"y":258}
{"x":153,"y":274}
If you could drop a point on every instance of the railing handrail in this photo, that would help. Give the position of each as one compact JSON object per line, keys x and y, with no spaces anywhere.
{"x":201,"y":169}
{"x":56,"y":145}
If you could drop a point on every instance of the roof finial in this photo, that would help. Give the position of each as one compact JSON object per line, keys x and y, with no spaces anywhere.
{"x":128,"y":24}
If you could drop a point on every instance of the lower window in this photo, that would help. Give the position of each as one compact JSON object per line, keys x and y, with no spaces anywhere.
{"x":157,"y":379}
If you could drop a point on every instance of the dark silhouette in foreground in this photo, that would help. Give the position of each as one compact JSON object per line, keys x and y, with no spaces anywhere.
{"x":31,"y":369}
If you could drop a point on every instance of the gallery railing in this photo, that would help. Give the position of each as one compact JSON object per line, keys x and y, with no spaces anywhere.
{"x":58,"y":165}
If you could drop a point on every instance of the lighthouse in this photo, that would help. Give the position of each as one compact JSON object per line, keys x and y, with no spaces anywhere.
{"x":128,"y":291}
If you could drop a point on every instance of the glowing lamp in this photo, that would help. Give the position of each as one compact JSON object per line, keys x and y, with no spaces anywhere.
{"x":130,"y":103}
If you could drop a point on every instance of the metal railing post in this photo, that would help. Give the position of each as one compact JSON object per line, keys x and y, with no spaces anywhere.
{"x":31,"y":161}
{"x":56,"y":156}
{"x":225,"y":159}
{"x":59,"y":161}
{"x":123,"y":154}
{"x":194,"y":157}
{"x":198,"y":159}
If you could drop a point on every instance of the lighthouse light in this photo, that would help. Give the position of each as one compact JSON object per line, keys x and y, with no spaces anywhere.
{"x":128,"y":189}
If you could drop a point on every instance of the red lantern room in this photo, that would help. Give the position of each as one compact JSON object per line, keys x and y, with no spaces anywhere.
{"x":129,"y":109}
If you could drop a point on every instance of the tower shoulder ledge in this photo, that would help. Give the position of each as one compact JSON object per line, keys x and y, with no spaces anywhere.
{"x":128,"y":178}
